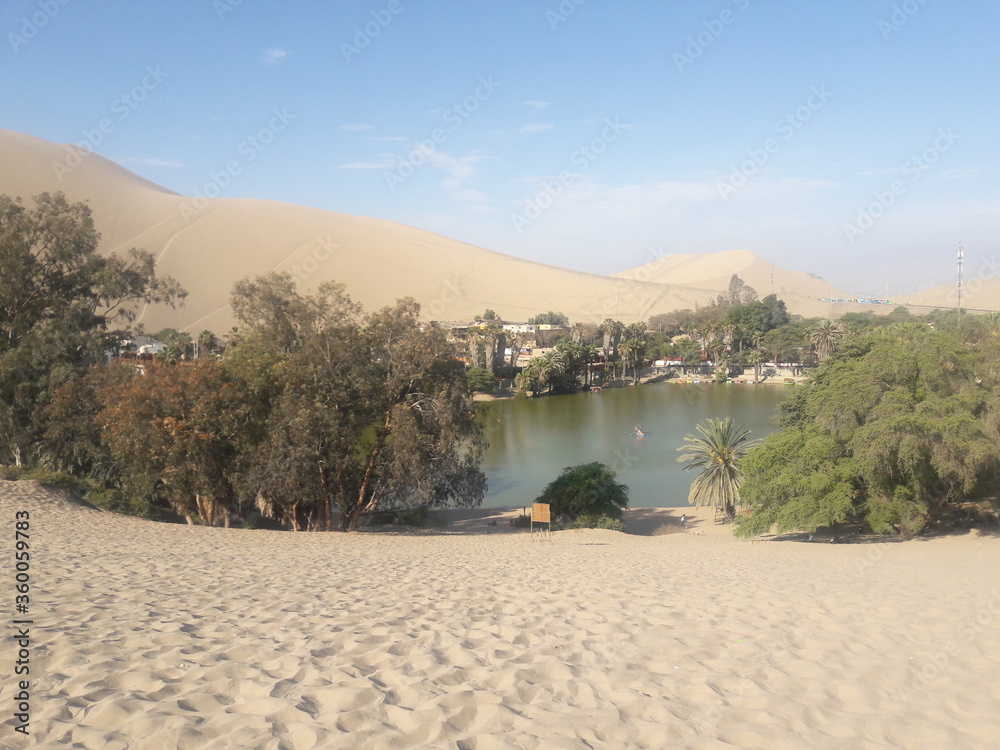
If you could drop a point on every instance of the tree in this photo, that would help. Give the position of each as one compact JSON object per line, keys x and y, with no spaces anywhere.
{"x":206,"y":343}
{"x":584,"y":490}
{"x":612,"y":331}
{"x":481,"y":380}
{"x":61,"y":306}
{"x":825,"y":337}
{"x":174,"y":433}
{"x":717,"y":451}
{"x":898,"y":425}
{"x":489,"y":315}
{"x":549,"y":318}
{"x":739,"y":292}
{"x":370,"y":412}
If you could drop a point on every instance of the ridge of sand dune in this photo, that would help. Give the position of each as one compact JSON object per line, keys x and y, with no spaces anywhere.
{"x":978,"y":293}
{"x":208,"y":245}
{"x":709,"y":274}
{"x":153,"y":635}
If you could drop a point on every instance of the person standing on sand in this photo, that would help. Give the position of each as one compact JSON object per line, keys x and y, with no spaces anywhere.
{"x":684,"y":521}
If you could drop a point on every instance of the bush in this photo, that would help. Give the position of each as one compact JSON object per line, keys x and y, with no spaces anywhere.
{"x":522,"y":522}
{"x":587,"y":489}
{"x":594,"y":521}
{"x":116,"y":501}
{"x":55,"y":480}
{"x":481,"y":380}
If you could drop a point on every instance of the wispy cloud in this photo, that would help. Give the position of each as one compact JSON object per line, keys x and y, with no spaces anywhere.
{"x":273,"y":56}
{"x":356,"y":127}
{"x":459,"y":169}
{"x":385,"y":162}
{"x":536,"y":104}
{"x":536,"y":127}
{"x":393,"y":138}
{"x":150,"y":161}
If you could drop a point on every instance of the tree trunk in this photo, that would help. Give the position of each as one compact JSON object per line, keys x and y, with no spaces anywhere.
{"x":350,"y":523}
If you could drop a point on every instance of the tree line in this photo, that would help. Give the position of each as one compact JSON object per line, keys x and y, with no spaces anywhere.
{"x":898,"y":430}
{"x":318,"y":410}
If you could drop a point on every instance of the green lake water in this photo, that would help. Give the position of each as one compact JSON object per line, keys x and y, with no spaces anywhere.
{"x":532,"y":441}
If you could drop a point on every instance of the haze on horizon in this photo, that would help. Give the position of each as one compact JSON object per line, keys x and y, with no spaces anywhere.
{"x":854,"y":141}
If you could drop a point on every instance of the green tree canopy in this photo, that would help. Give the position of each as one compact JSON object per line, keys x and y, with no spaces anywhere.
{"x":585,"y":490}
{"x":549,"y":318}
{"x":62,"y":305}
{"x":898,"y":424}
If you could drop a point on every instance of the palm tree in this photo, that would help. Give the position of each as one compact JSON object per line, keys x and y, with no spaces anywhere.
{"x":206,"y":343}
{"x":717,"y":451}
{"x":824,"y":338}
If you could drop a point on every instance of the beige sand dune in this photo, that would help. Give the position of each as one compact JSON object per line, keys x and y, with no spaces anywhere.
{"x":979,"y":292}
{"x":209,"y":244}
{"x":709,"y":274}
{"x":150,"y":636}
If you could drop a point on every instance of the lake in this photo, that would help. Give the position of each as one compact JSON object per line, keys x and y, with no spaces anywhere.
{"x":532,"y":441}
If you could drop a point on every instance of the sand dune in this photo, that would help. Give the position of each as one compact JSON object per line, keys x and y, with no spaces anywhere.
{"x":209,"y":244}
{"x":709,"y":274}
{"x":158,"y":636}
{"x":980,"y":293}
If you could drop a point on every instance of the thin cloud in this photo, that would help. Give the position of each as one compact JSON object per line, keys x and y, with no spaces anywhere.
{"x":356,"y":127}
{"x":273,"y":56}
{"x":386,"y":163}
{"x":536,"y":127}
{"x":536,"y":104}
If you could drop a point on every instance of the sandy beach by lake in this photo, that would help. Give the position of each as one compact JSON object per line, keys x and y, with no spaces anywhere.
{"x":475,"y":636}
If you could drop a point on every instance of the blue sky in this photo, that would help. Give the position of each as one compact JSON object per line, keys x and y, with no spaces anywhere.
{"x":855,"y":139}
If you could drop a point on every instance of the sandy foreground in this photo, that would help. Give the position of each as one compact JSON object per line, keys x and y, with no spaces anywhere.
{"x":148,"y":635}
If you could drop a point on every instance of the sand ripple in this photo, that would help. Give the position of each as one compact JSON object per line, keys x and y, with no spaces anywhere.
{"x":149,"y":636}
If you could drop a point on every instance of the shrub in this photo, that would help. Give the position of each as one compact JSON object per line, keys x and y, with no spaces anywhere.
{"x":594,"y":521}
{"x":587,"y":489}
{"x":481,"y":380}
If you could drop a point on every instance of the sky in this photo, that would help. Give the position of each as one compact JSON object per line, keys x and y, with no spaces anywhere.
{"x":856,"y":140}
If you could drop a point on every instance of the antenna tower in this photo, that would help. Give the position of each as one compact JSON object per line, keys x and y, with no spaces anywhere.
{"x":958,"y":286}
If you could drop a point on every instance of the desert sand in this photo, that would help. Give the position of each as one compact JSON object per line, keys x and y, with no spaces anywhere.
{"x":150,"y":636}
{"x":209,"y":244}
